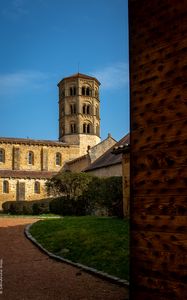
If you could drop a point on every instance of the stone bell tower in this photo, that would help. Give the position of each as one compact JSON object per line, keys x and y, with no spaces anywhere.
{"x":79,"y":111}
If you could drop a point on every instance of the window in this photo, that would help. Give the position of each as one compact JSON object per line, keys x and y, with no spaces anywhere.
{"x":31,"y":158}
{"x":37,"y":187}
{"x":72,"y":91}
{"x":5,"y":186}
{"x":87,"y":91}
{"x":2,"y":155}
{"x":86,"y":128}
{"x":86,"y":109}
{"x":83,"y":90}
{"x":58,"y":159}
{"x":73,"y":109}
{"x":73,"y":128}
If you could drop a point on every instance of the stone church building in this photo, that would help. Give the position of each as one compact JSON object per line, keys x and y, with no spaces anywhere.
{"x":26,"y":164}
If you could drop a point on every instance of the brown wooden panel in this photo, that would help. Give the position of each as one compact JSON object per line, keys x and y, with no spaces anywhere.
{"x":170,"y":224}
{"x":163,"y":257}
{"x":158,"y":92}
{"x":161,"y":241}
{"x":169,"y":289}
{"x":159,"y":205}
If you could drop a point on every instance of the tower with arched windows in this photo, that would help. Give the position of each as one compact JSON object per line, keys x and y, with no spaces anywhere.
{"x":79,"y":106}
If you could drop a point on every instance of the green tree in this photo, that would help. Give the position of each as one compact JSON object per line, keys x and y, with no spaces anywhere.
{"x":69,"y":184}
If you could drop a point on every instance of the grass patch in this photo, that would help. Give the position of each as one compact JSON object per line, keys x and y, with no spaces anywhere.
{"x":98,"y":242}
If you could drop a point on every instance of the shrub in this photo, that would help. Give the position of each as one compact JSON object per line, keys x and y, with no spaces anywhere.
{"x":6,"y":206}
{"x":68,"y":207}
{"x":41,"y":207}
{"x":34,"y":207}
{"x":105,"y":195}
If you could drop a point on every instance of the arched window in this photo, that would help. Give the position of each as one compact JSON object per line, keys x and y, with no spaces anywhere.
{"x":5,"y":186}
{"x":58,"y":159}
{"x":83,"y":90}
{"x":2,"y":155}
{"x":86,"y":128}
{"x":37,"y":187}
{"x":87,"y":91}
{"x":73,"y":128}
{"x":31,"y":158}
{"x":73,"y":108}
{"x":86,"y":109}
{"x":72,"y":91}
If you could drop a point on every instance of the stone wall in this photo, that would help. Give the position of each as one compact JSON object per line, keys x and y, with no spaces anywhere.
{"x":114,"y":170}
{"x":82,"y":162}
{"x":16,"y":160}
{"x":29,"y":189}
{"x":158,"y":92}
{"x":67,"y":153}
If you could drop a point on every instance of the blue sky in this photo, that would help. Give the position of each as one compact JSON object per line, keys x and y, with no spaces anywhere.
{"x":43,"y":41}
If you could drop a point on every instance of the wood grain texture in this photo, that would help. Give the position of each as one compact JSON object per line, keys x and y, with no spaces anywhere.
{"x":158,"y":101}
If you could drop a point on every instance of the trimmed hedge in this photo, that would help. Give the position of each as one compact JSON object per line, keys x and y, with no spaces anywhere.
{"x":35,"y":207}
{"x":68,"y":207}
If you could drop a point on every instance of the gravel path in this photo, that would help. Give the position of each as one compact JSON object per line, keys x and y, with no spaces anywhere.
{"x":30,"y":274}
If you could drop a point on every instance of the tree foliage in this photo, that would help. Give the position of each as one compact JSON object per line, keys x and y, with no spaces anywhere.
{"x":69,"y":184}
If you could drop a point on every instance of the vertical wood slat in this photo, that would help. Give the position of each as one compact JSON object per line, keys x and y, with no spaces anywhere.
{"x":158,"y":101}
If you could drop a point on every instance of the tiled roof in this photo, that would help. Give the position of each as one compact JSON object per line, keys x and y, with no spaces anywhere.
{"x":32,"y":142}
{"x":26,"y":174}
{"x":109,"y":158}
{"x":79,"y":75}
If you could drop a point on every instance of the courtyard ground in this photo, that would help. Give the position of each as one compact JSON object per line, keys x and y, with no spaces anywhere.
{"x":28,"y":273}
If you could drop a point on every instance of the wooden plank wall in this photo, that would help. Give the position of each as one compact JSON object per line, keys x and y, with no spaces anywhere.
{"x":158,"y":92}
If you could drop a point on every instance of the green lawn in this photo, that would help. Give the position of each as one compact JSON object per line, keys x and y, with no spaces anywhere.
{"x":98,"y":242}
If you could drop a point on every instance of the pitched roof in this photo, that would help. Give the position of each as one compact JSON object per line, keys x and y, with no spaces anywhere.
{"x":26,"y":174}
{"x":32,"y":142}
{"x":79,"y":75}
{"x":109,"y":158}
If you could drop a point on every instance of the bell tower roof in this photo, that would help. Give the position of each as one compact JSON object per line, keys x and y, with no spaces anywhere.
{"x":79,"y":75}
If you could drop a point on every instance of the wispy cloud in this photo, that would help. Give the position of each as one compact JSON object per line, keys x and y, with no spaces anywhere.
{"x":15,"y":9}
{"x":15,"y":82}
{"x":114,"y":76}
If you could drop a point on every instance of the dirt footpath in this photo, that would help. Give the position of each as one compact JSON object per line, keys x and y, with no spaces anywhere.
{"x":28,"y":273}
